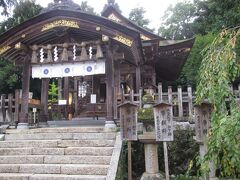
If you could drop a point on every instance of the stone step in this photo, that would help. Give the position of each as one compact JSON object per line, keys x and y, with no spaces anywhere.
{"x":26,"y":143}
{"x":86,"y":143}
{"x":56,"y":143}
{"x":64,"y":136}
{"x":91,"y":151}
{"x":81,"y":123}
{"x":58,"y":130}
{"x":15,"y":176}
{"x":71,"y":159}
{"x":71,"y":169}
{"x":66,"y":159}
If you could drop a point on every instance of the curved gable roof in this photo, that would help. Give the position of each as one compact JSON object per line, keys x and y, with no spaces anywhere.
{"x":111,"y":13}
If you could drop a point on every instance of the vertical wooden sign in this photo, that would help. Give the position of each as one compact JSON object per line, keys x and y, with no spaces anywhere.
{"x":128,"y":121}
{"x":202,"y":115}
{"x":163,"y":117}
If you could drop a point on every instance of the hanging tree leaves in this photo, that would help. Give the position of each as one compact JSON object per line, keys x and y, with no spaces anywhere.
{"x":220,"y":67}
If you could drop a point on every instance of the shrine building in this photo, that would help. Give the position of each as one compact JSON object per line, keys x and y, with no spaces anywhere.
{"x":93,"y":59}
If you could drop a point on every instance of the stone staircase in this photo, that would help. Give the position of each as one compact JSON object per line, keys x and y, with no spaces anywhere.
{"x":59,"y":154}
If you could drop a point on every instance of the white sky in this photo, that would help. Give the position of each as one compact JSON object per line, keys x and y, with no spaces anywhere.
{"x":154,"y":8}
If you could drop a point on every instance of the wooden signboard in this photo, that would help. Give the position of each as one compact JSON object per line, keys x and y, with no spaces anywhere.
{"x":202,"y":115}
{"x":128,"y":121}
{"x":163,"y":117}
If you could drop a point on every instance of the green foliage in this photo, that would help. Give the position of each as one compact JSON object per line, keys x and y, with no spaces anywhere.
{"x":10,"y":77}
{"x":187,"y":18}
{"x":24,"y":10}
{"x":183,"y":152}
{"x":189,"y":73}
{"x":220,"y":67}
{"x":182,"y":157}
{"x":145,"y":115}
{"x":137,"y":15}
{"x":53,"y":92}
{"x":6,"y":4}
{"x":178,"y":21}
{"x":87,"y":8}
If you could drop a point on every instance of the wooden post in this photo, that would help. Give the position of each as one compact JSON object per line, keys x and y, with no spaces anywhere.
{"x":44,"y":100}
{"x":190,"y":103}
{"x":66,"y":95}
{"x":180,"y":104}
{"x":2,"y":109}
{"x":140,"y":97}
{"x":132,"y":95}
{"x":109,"y":123}
{"x":166,"y":159}
{"x":59,"y":88}
{"x":10,"y":107}
{"x":109,"y":85}
{"x":23,"y":117}
{"x":160,"y":92}
{"x":16,"y":106}
{"x":170,"y":94}
{"x":138,"y":78}
{"x":75,"y":95}
{"x":129,"y":160}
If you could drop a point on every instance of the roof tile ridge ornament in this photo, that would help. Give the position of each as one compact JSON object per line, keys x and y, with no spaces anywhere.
{"x":110,"y":3}
{"x":62,"y":5}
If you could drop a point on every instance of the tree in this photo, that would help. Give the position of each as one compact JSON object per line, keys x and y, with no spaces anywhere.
{"x":6,"y":4}
{"x":186,"y":19}
{"x":10,"y":75}
{"x":137,"y":16}
{"x":220,"y":67}
{"x":86,"y":8}
{"x":189,"y":74}
{"x":178,"y":21}
{"x":24,"y":10}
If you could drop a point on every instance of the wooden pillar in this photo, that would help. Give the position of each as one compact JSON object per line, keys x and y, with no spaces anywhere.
{"x":109,"y":84}
{"x":44,"y":100}
{"x":180,"y":103}
{"x":23,"y":117}
{"x":16,"y":105}
{"x":109,"y":124}
{"x":116,"y":87}
{"x":10,"y":108}
{"x":59,"y":88}
{"x":138,"y":78}
{"x":75,"y":95}
{"x":66,"y":94}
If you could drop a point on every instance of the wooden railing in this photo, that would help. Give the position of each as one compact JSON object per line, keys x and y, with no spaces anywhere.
{"x":10,"y":108}
{"x":182,"y":101}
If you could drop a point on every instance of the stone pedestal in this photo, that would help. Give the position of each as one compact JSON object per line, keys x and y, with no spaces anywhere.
{"x":151,"y":157}
{"x":110,"y":126}
{"x":22,"y":126}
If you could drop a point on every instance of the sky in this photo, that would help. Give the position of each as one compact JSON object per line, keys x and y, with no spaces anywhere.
{"x":154,"y":8}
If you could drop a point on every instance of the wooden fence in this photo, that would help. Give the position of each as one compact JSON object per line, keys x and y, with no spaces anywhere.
{"x":182,"y":101}
{"x":10,"y":108}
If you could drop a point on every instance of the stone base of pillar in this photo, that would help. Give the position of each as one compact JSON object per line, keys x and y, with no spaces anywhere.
{"x":110,"y":126}
{"x":43,"y":124}
{"x":147,"y":176}
{"x":22,"y":126}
